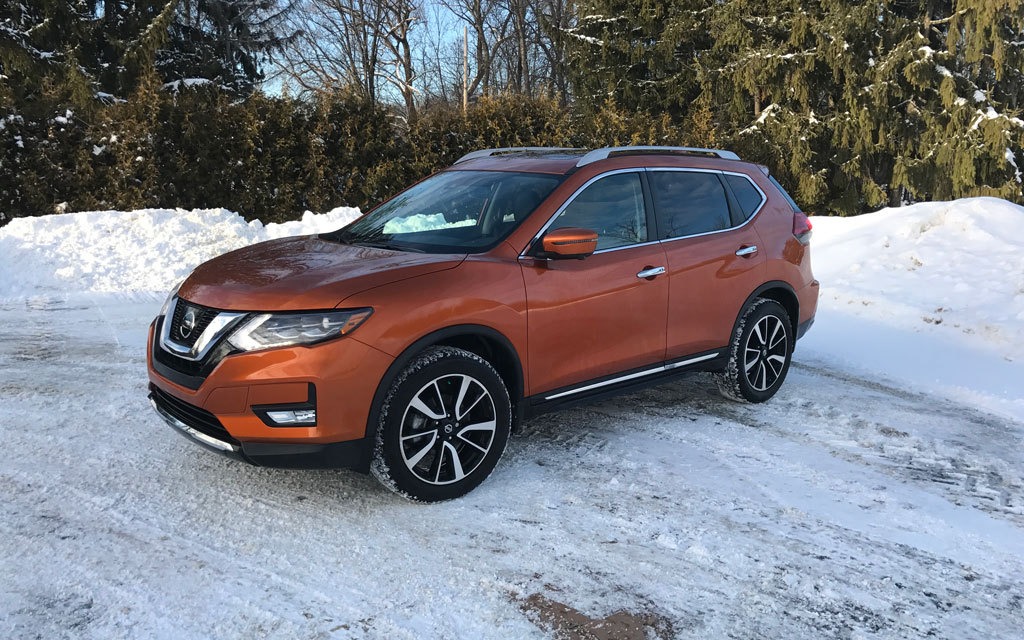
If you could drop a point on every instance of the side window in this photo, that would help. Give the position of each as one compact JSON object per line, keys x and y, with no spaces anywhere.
{"x":747,"y":195}
{"x":613,"y":207}
{"x":689,"y":202}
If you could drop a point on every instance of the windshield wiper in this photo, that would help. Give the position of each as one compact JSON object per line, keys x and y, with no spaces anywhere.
{"x":383,"y":244}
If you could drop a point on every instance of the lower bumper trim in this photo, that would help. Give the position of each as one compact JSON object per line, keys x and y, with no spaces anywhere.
{"x":351,"y":454}
{"x":202,"y":438}
{"x":803,"y":327}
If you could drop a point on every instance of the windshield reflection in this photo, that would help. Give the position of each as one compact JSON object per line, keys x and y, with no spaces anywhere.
{"x":451,"y":212}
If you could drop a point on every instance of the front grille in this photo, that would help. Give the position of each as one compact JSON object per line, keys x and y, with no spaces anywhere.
{"x":199,"y":419}
{"x":203,"y":317}
{"x":188,"y":367}
{"x":187,"y":373}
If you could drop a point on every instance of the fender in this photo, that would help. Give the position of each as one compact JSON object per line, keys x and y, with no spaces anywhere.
{"x":438,"y":337}
{"x":772,"y":284}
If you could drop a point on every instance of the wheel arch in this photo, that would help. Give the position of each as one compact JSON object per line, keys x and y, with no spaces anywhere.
{"x":486,"y":342}
{"x":780,"y":292}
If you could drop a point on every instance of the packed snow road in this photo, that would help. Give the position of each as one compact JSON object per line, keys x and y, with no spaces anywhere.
{"x":844,"y":508}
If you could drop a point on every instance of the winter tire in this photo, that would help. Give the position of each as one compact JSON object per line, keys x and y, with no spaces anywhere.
{"x":443,"y":426}
{"x":759,"y":353}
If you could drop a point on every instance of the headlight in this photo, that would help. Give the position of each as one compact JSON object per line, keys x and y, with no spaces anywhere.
{"x":170,"y":297}
{"x":269,"y":330}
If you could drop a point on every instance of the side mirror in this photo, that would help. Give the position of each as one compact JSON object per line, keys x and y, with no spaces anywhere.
{"x":569,"y":242}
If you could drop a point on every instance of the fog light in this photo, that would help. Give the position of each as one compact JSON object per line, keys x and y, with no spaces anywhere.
{"x":290,"y":414}
{"x":296,"y":417}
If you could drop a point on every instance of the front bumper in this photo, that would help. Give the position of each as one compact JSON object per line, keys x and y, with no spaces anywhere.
{"x":223,"y":412}
{"x":353,"y":454}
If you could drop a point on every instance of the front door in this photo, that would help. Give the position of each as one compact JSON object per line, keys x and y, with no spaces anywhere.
{"x":604,"y":314}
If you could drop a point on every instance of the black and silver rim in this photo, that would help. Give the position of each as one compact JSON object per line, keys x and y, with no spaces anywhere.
{"x":764,"y":355}
{"x":448,"y":429}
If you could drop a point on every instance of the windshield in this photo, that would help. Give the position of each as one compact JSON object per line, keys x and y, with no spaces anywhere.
{"x":451,"y":212}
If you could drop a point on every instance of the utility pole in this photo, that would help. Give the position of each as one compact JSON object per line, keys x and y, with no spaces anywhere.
{"x":465,"y":70}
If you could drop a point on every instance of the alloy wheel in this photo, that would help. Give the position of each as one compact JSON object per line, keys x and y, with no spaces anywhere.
{"x":448,"y":429}
{"x":764,"y":354}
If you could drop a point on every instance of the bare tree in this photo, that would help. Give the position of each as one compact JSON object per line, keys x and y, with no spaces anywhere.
{"x":488,"y":22}
{"x":364,"y":44}
{"x":398,"y":70}
{"x":400,"y":51}
{"x":555,"y":16}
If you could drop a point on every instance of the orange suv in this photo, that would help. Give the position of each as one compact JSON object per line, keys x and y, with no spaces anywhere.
{"x":412,"y":341}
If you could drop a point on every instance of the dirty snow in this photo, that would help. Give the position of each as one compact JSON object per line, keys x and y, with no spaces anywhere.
{"x":880,"y":494}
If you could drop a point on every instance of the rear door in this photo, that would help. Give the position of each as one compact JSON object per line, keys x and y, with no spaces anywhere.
{"x":595,"y":317}
{"x":714,"y":258}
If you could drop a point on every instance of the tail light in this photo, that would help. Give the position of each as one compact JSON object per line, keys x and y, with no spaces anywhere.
{"x":802,"y":227}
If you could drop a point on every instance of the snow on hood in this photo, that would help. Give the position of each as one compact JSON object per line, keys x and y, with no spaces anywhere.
{"x":130,"y":251}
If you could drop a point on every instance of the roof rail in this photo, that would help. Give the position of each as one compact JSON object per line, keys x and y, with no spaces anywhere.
{"x":485,"y":153}
{"x":601,"y":154}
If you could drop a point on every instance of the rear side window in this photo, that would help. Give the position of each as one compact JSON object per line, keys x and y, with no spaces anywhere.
{"x":613,"y":207}
{"x":747,"y":195}
{"x":689,"y":202}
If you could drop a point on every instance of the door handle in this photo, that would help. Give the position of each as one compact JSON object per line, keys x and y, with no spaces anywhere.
{"x":651,"y":272}
{"x":746,"y":251}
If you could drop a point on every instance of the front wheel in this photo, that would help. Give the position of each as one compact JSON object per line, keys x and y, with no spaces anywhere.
{"x":759,"y":353}
{"x":443,"y":426}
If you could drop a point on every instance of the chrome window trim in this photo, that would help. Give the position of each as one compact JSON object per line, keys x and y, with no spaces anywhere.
{"x":631,"y":376}
{"x":551,"y":220}
{"x":627,"y":246}
{"x":764,"y":199}
{"x":219,"y":326}
{"x":573,"y":197}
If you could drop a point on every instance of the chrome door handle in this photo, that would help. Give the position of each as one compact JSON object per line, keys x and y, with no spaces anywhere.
{"x":650,"y":272}
{"x":743,"y":252}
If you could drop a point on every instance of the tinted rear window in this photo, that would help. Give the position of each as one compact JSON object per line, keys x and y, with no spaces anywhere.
{"x":747,"y":195}
{"x":689,"y":202}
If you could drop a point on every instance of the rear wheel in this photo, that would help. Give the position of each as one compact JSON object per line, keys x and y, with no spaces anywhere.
{"x":759,"y":354}
{"x":443,"y":426}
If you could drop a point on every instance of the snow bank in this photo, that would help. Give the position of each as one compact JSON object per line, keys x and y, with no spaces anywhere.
{"x":126,"y":251}
{"x":949,"y":268}
{"x":952,"y":268}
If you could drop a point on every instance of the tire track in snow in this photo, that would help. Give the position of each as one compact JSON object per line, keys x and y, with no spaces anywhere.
{"x":951,"y":461}
{"x":651,"y":502}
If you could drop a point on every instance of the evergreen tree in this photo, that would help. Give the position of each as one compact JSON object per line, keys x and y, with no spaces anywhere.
{"x":770,"y":92}
{"x":893,"y":101}
{"x":854,"y":106}
{"x":623,"y":51}
{"x":225,"y":41}
{"x":41,"y":54}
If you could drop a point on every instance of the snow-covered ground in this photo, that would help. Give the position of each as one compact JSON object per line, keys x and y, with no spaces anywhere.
{"x":880,"y":494}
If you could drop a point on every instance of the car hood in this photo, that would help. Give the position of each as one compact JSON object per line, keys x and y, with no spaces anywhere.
{"x":302,"y":272}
